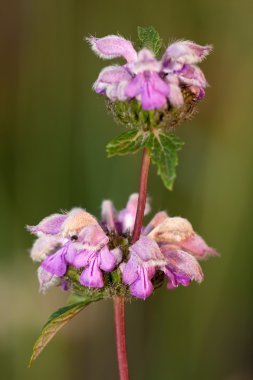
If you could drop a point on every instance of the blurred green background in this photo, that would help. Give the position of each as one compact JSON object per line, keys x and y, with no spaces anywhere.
{"x":53,"y":133}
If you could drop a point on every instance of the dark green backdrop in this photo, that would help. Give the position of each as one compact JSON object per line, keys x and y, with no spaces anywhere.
{"x":52,"y":138}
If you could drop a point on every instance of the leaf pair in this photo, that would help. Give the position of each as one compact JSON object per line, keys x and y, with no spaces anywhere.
{"x":162,"y":147}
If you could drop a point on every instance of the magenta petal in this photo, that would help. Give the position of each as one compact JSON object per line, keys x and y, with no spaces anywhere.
{"x":113,"y":46}
{"x":142,"y":287}
{"x":92,"y":275}
{"x":107,"y":260}
{"x":56,"y":263}
{"x":71,"y":254}
{"x":50,"y":225}
{"x":130,"y":271}
{"x":134,"y":87}
{"x":82,"y":258}
{"x":159,"y":85}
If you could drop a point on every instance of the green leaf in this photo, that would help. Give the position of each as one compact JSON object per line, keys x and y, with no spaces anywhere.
{"x":149,"y":38}
{"x":128,"y":142}
{"x":163,"y":148}
{"x":57,"y":320}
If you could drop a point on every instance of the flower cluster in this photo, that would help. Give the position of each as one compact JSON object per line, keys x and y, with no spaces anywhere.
{"x":167,"y":245}
{"x":152,"y":82}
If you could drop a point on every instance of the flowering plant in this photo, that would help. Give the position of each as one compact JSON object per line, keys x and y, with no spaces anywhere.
{"x":117,"y":256}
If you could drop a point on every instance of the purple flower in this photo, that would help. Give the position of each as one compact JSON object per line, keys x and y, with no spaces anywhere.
{"x":144,"y":258}
{"x":65,"y":239}
{"x":122,"y":221}
{"x":143,"y":77}
{"x":176,"y":233}
{"x":168,"y":244}
{"x":94,"y":256}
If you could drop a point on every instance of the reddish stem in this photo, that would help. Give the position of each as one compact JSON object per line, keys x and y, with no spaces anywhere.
{"x":119,"y":310}
{"x":142,"y":195}
{"x":119,"y":302}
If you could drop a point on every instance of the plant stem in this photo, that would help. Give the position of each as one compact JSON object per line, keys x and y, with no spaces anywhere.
{"x":142,"y":195}
{"x":119,"y":302}
{"x":119,"y":312}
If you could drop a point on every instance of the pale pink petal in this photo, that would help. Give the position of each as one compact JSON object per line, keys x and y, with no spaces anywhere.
{"x":186,"y":52}
{"x":126,"y":217}
{"x":46,"y":280}
{"x":117,"y":254}
{"x":108,"y":215}
{"x":76,"y":220}
{"x":92,"y":237}
{"x":157,"y":219}
{"x":172,"y":230}
{"x":44,"y":246}
{"x":198,"y":247}
{"x":113,"y":46}
{"x":50,"y":225}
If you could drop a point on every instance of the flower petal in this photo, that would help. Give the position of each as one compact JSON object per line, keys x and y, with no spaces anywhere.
{"x":175,"y":96}
{"x":76,"y":220}
{"x":198,"y":247}
{"x":46,"y":279}
{"x":192,"y":75}
{"x":158,"y":218}
{"x":113,"y":74}
{"x":117,"y":254}
{"x":92,"y":275}
{"x":113,"y":46}
{"x":92,"y":238}
{"x":107,"y":260}
{"x":142,"y":287}
{"x":108,"y":215}
{"x":130,"y":271}
{"x":134,"y":87}
{"x":83,"y":258}
{"x":70,"y":254}
{"x":44,"y":246}
{"x":147,"y":252}
{"x":181,"y":263}
{"x":186,"y":52}
{"x":145,"y":62}
{"x":56,"y":263}
{"x":172,"y":230}
{"x":126,"y":217}
{"x":50,"y":225}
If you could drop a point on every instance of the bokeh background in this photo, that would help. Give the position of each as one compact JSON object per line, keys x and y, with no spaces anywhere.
{"x":52,"y":138}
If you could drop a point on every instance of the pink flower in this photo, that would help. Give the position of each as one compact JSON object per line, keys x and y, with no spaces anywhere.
{"x":143,"y":77}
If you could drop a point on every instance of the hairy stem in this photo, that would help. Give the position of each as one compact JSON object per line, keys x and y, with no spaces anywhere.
{"x":142,"y":195}
{"x":119,"y":302}
{"x":119,"y":312}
